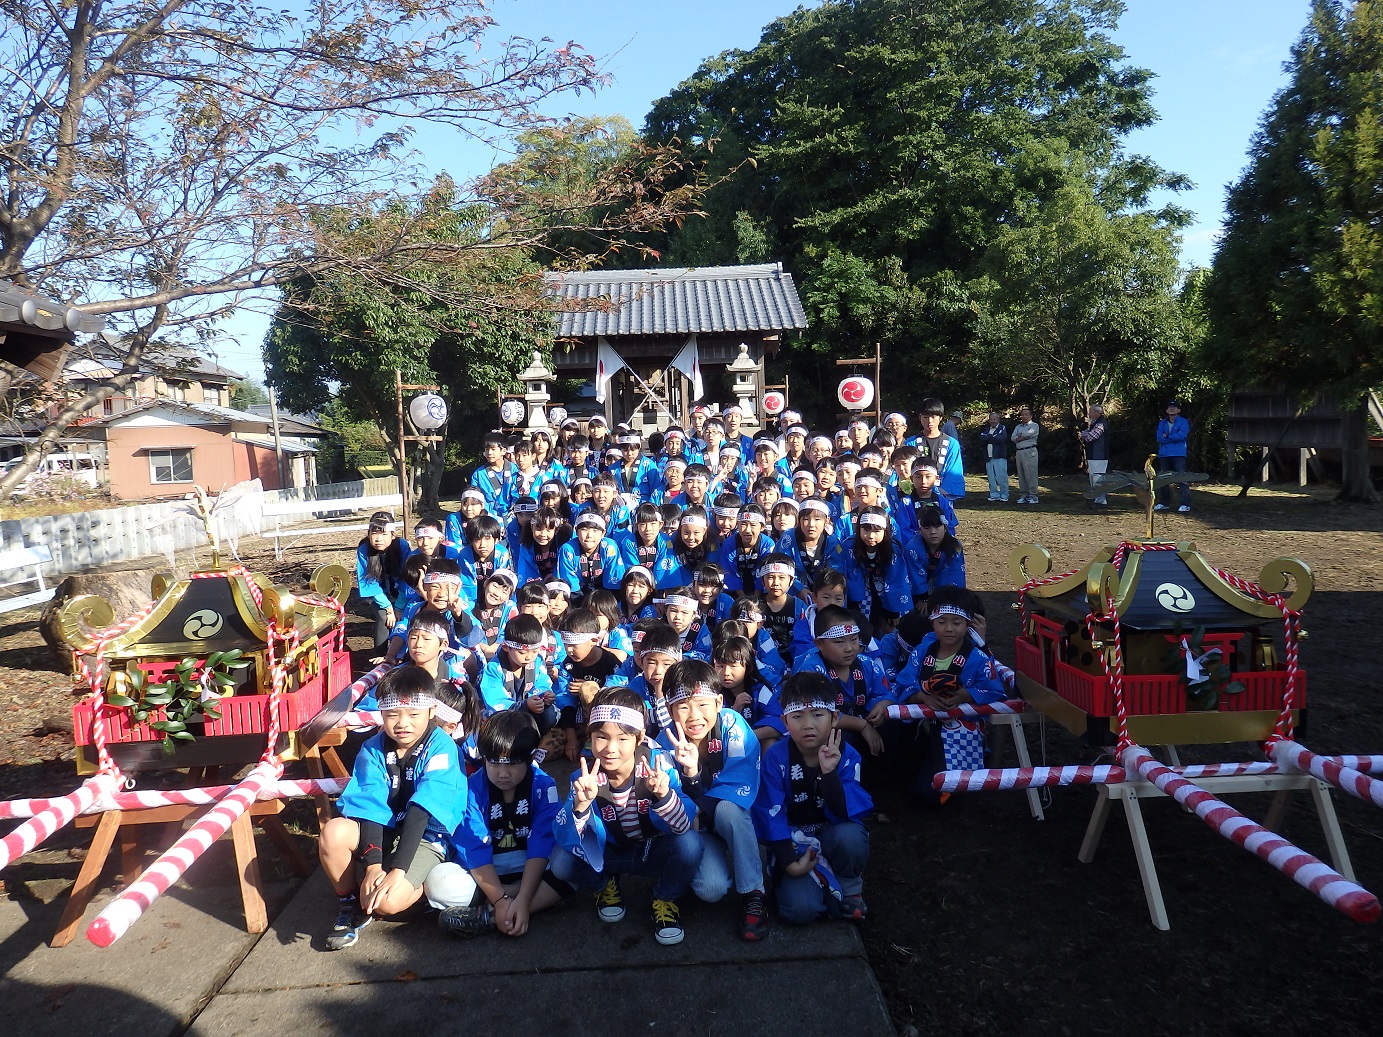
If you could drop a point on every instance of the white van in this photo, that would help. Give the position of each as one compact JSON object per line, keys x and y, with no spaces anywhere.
{"x":81,"y":467}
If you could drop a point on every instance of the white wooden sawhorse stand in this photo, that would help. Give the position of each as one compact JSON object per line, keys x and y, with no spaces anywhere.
{"x":1130,"y":792}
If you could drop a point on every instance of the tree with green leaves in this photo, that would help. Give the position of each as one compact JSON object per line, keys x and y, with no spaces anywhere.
{"x":1296,"y":295}
{"x":164,"y":162}
{"x":470,"y":327}
{"x":246,"y":393}
{"x":892,"y":150}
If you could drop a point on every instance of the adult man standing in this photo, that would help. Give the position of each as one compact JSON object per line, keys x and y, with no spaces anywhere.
{"x":1024,"y":439}
{"x":1172,"y":433}
{"x":1095,"y":436}
{"x":994,"y":436}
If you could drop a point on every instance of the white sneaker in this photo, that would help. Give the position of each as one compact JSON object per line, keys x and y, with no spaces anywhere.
{"x":1184,"y":508}
{"x":1160,"y":507}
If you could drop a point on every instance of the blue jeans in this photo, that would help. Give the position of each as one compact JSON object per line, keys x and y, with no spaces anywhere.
{"x":730,"y":839}
{"x":846,"y":848}
{"x":997,"y":470}
{"x":671,"y":859}
{"x":1173,"y":464}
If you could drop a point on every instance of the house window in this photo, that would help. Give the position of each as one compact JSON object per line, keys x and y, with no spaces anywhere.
{"x":168,"y":466}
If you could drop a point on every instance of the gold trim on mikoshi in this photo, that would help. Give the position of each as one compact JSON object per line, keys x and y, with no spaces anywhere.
{"x":84,"y":617}
{"x":1019,"y":572}
{"x":331,"y":581}
{"x":1273,"y":579}
{"x":1104,"y":583}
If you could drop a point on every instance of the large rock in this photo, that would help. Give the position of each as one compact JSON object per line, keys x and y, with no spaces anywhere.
{"x":126,"y":590}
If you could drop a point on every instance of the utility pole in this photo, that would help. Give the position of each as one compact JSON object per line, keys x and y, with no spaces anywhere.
{"x":278,"y":439}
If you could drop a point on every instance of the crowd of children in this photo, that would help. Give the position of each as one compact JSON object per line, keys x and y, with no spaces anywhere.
{"x":671,"y":658}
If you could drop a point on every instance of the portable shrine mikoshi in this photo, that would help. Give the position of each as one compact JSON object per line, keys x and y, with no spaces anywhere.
{"x":1150,"y":644}
{"x":289,"y":689}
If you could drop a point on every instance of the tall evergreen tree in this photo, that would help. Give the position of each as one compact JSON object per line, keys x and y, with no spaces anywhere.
{"x":1296,"y":295}
{"x":898,"y":148}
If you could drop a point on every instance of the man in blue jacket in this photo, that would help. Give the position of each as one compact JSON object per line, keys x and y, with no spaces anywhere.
{"x":1172,"y":433}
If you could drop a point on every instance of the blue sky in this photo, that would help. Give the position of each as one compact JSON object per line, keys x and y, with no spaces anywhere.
{"x":1217,"y":62}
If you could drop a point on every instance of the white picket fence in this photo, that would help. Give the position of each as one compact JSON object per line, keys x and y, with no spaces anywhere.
{"x":90,"y":539}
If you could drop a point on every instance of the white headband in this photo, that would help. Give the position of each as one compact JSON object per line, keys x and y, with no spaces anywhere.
{"x":694,"y":520}
{"x":622,"y":715}
{"x":878,"y":521}
{"x":590,"y":518}
{"x":804,"y":474}
{"x":517,"y":646}
{"x":788,"y":502}
{"x":558,"y":587}
{"x":868,"y":480}
{"x":420,"y":700}
{"x":726,"y":513}
{"x":446,"y":714}
{"x":471,"y":491}
{"x":674,"y":462}
{"x":571,"y":637}
{"x":674,"y":653}
{"x":812,"y":504}
{"x":436,"y":577}
{"x":949,"y":610}
{"x":839,"y":630}
{"x":776,"y":569}
{"x":641,"y":570}
{"x":681,"y":601}
{"x":684,"y":691}
{"x":813,"y":704}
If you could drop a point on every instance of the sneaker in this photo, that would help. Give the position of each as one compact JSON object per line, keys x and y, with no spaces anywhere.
{"x":754,"y":924}
{"x":609,"y":902}
{"x":992,"y":499}
{"x":349,"y":921}
{"x":471,"y":920}
{"x":853,"y":908}
{"x":1160,"y":507}
{"x":1184,"y":508}
{"x":667,"y":922}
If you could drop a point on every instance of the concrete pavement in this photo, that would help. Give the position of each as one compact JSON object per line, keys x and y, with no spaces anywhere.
{"x":188,"y":966}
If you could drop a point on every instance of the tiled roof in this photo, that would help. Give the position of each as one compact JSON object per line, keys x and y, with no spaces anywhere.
{"x":678,"y":302}
{"x":20,"y":307}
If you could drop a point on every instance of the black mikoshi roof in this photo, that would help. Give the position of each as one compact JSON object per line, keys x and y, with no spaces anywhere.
{"x":1163,"y":589}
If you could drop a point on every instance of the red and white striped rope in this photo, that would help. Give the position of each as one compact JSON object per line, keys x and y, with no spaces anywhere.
{"x":1293,"y":756}
{"x":1367,"y":764}
{"x":122,"y":912}
{"x":55,"y":815}
{"x":144,"y":799}
{"x":914,"y":711}
{"x":997,"y":779}
{"x":1301,"y":867}
{"x":1291,"y":648}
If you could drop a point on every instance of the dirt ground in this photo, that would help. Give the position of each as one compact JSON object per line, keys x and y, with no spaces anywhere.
{"x":982,"y":921}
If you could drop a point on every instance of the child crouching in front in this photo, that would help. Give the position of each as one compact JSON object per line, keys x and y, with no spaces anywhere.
{"x":496,"y":874}
{"x":406,"y":795}
{"x":811,"y":808}
{"x":718,"y":757}
{"x":627,"y":814}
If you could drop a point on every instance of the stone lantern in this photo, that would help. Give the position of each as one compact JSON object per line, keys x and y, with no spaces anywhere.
{"x":746,"y":372}
{"x":535,"y":394}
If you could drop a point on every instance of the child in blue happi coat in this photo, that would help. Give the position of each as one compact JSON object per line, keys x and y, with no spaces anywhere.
{"x":628,"y":814}
{"x":935,"y":557}
{"x":858,"y":682}
{"x":585,"y":668}
{"x":745,"y":689}
{"x":772,"y":665}
{"x":590,"y":560}
{"x":811,"y":808}
{"x":946,"y":670}
{"x":876,"y":571}
{"x":542,"y":538}
{"x":516,"y":679}
{"x":827,"y":588}
{"x":379,"y":561}
{"x":718,"y":757}
{"x":406,"y":795}
{"x":496,"y":874}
